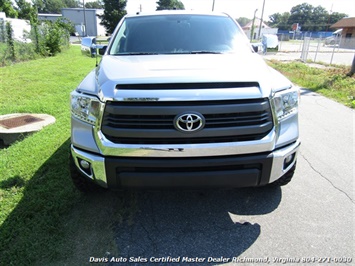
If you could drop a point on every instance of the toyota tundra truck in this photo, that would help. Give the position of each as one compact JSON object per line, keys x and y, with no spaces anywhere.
{"x":182,"y":100}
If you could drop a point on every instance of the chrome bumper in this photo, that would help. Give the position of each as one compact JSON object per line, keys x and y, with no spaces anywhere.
{"x":99,"y":172}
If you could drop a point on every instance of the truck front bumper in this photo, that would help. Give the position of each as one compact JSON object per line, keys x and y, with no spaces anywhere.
{"x":248,"y":170}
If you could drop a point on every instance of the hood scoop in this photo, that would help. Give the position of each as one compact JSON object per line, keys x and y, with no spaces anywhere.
{"x":184,"y":86}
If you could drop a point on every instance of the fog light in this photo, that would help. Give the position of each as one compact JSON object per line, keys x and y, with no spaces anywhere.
{"x":288,"y":160}
{"x":84,"y":164}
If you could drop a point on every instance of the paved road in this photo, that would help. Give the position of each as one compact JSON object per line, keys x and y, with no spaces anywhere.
{"x":311,"y":218}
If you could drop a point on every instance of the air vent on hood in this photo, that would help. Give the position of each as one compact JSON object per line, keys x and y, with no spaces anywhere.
{"x":182,"y":86}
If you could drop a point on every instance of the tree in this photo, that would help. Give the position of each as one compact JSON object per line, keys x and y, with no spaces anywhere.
{"x":335,"y":17}
{"x":114,"y":11}
{"x":54,"y":6}
{"x":301,"y":14}
{"x":319,"y":21}
{"x":7,"y":8}
{"x":98,"y":4}
{"x":169,"y":4}
{"x":313,"y":18}
{"x":24,"y":9}
{"x":280,"y":21}
{"x":243,"y":21}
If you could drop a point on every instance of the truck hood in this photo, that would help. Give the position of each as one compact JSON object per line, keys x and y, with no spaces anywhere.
{"x":189,"y":68}
{"x":180,"y":68}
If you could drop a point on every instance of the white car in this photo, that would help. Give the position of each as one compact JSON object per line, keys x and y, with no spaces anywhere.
{"x":334,"y":39}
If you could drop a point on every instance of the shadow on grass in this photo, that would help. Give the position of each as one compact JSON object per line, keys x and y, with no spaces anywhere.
{"x":53,"y":224}
{"x":16,"y":181}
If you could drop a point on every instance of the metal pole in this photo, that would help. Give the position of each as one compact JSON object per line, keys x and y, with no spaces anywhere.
{"x":318,"y":46}
{"x":213,"y":5}
{"x":252,"y":26}
{"x":85,"y":31}
{"x":261,"y":19}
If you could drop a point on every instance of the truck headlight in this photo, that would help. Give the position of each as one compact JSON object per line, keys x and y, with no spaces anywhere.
{"x":85,"y":107}
{"x":286,"y":103}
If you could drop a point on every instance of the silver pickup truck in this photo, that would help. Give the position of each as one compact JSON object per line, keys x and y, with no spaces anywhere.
{"x":181,"y":99}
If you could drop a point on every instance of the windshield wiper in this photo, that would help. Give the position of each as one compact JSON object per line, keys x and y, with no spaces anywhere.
{"x":137,"y":53}
{"x":205,"y":52}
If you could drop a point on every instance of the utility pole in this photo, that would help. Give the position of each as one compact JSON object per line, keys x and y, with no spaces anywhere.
{"x":252,"y":26}
{"x":85,"y":31}
{"x":261,"y":19}
{"x":330,"y":13}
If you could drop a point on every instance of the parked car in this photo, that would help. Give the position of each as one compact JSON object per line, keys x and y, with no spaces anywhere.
{"x":334,"y":39}
{"x":180,"y":99}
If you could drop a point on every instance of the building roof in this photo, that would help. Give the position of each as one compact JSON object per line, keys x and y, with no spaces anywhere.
{"x":256,"y":25}
{"x":49,"y":15}
{"x":345,"y":23}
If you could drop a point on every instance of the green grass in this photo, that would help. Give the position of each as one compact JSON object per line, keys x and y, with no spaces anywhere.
{"x":23,"y":52}
{"x":330,"y":82}
{"x":44,"y":220}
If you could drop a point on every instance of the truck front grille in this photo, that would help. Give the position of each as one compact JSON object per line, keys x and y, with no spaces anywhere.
{"x":153,"y":122}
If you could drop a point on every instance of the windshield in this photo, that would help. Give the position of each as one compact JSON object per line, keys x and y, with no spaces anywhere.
{"x":178,"y":34}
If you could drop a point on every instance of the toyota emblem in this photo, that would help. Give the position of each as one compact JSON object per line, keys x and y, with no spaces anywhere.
{"x":189,"y":122}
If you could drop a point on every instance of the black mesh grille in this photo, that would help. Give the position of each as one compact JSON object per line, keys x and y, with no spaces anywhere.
{"x":153,"y":122}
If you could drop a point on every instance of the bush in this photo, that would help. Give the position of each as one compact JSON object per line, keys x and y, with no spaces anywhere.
{"x":2,"y":31}
{"x":47,"y":39}
{"x":50,"y":37}
{"x":10,"y":41}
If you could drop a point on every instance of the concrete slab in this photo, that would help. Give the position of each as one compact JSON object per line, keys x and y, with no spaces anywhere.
{"x":15,"y":126}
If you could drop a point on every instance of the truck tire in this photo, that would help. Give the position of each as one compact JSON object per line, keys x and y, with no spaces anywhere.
{"x":80,"y":182}
{"x":285,"y":179}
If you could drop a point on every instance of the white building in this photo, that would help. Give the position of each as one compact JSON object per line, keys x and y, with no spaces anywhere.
{"x":20,"y":27}
{"x":265,"y":29}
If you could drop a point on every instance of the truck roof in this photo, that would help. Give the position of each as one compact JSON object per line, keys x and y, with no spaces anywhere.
{"x":177,"y":12}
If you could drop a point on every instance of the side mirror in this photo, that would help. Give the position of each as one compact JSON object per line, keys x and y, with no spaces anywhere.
{"x":102,"y":49}
{"x":255,"y":47}
{"x":88,"y":46}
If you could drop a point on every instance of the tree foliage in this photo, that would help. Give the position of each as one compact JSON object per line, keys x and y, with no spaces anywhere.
{"x":24,"y":9}
{"x":243,"y":21}
{"x":310,"y":18}
{"x":280,"y":21}
{"x":34,"y":30}
{"x":10,"y":40}
{"x":98,"y":4}
{"x":55,"y":6}
{"x":169,"y":4}
{"x":114,"y":11}
{"x":54,"y":36}
{"x":7,"y":7}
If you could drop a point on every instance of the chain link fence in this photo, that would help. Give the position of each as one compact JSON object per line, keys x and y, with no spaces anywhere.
{"x":22,"y":42}
{"x":330,"y":50}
